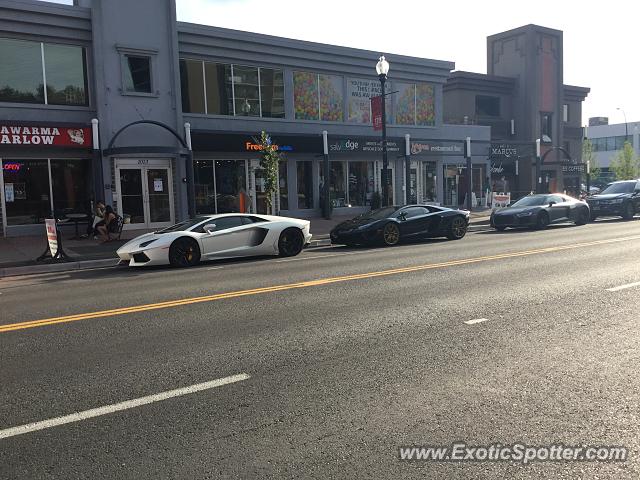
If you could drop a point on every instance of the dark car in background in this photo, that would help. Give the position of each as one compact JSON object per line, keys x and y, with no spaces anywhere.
{"x":621,"y":199}
{"x":391,"y":225}
{"x":539,"y":211}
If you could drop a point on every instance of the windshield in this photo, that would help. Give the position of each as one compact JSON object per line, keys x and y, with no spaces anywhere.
{"x":622,"y":187}
{"x":532,"y":201}
{"x":380,"y":213}
{"x":182,"y":226}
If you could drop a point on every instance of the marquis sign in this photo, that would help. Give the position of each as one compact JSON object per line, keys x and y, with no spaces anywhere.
{"x":511,"y":151}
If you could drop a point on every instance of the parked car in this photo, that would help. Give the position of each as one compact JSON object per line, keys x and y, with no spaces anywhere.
{"x":391,"y":225}
{"x":218,"y":236}
{"x":539,"y":211}
{"x":619,"y":199}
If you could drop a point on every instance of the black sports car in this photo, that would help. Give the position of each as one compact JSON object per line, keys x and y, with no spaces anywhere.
{"x":619,"y":198}
{"x":390,"y":225}
{"x":538,"y":211}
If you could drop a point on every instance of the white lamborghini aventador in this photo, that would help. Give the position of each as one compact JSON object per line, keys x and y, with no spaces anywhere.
{"x":218,"y":236}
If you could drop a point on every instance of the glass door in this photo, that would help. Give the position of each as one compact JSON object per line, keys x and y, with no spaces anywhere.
{"x":159,"y":204}
{"x":131,"y":195}
{"x":145,"y":196}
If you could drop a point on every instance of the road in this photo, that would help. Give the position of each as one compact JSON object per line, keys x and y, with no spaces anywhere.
{"x":323,"y":365}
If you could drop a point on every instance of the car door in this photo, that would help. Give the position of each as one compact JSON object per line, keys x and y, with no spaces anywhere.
{"x":229,"y":238}
{"x":636,"y":198}
{"x":414,"y":221}
{"x":559,"y":210}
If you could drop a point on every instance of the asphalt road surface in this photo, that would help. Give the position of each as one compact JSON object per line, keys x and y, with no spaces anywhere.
{"x":324,"y":365}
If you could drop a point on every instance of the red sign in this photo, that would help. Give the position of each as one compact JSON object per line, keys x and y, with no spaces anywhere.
{"x":376,"y":112}
{"x":37,"y":136}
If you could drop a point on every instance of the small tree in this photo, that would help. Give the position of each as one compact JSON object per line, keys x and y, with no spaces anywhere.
{"x":588,"y":156}
{"x":626,"y":164}
{"x":269,"y":162}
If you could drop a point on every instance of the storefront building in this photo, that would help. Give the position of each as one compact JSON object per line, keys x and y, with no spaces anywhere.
{"x":95,"y":107}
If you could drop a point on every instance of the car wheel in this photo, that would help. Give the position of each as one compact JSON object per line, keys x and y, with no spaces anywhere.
{"x":291,"y":242}
{"x":583,"y":217}
{"x":184,"y":252}
{"x":391,"y":234}
{"x":500,"y":229}
{"x":628,"y":212}
{"x":457,"y":228}
{"x":543,"y":221}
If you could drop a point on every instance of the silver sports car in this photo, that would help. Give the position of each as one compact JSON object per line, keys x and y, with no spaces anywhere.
{"x":218,"y":236}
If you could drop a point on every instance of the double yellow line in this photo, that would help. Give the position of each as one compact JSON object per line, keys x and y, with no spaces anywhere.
{"x":312,"y":283}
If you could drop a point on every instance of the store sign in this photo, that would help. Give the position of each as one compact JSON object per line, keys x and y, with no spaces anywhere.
{"x":28,"y":135}
{"x":578,"y":168}
{"x":362,"y":145}
{"x":500,"y":200}
{"x":52,"y":235}
{"x":256,"y":147}
{"x":511,"y":150}
{"x":12,"y":167}
{"x":436,"y":148}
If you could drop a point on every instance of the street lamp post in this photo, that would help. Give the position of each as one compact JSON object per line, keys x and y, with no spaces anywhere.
{"x":626,"y":125}
{"x":382,"y":69}
{"x":538,"y":168}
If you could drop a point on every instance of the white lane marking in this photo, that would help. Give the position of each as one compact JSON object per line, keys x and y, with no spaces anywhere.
{"x":214,"y":268}
{"x":623,"y":287}
{"x":117,"y":407}
{"x":477,"y":320}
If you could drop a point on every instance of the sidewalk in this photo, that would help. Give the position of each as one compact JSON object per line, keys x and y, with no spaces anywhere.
{"x":18,"y":254}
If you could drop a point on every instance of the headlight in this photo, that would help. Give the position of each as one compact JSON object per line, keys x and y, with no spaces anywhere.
{"x":524,"y":214}
{"x":144,"y":244}
{"x":617,"y":200}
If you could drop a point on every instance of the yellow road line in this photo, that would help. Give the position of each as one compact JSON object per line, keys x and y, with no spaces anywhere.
{"x":311,"y":283}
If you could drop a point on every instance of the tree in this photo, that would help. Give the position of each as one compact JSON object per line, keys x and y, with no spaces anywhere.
{"x":589,"y":157}
{"x":626,"y":164}
{"x":269,"y":162}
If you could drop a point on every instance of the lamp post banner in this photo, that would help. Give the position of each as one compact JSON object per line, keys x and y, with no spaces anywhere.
{"x":376,"y":112}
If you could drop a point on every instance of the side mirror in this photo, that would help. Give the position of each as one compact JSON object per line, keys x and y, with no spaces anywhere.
{"x":551,"y":204}
{"x":210,"y":228}
{"x":402,"y":216}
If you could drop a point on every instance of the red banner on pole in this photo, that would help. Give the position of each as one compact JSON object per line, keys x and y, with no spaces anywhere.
{"x":376,"y":112}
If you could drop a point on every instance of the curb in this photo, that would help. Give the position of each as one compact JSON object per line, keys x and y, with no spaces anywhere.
{"x":57,"y":267}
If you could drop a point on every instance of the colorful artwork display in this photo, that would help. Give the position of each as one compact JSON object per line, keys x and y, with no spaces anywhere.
{"x":425,"y":104}
{"x":331,"y":98}
{"x":405,"y":104}
{"x":305,"y":95}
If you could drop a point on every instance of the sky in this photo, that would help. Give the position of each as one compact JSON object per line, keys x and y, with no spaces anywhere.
{"x":600,"y":38}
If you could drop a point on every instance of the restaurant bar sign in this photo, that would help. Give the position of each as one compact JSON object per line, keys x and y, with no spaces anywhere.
{"x":436,"y":147}
{"x":38,"y":136}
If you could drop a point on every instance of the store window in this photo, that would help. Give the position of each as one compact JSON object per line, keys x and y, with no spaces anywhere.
{"x":405,"y":111}
{"x":337,"y":183}
{"x":272,"y":93}
{"x":136,"y":73}
{"x":359,"y":93}
{"x":429,"y":182}
{"x":27,"y":194}
{"x":219,"y":89}
{"x":318,"y":96}
{"x":487,"y":106}
{"x":361,"y":183}
{"x":282,"y":186}
{"x":231,"y":186}
{"x":304,"y":179}
{"x":246,"y":91}
{"x":204,"y":187}
{"x":192,"y":82}
{"x":65,"y":67}
{"x":425,"y":105}
{"x":22,"y":77}
{"x":71,"y":180}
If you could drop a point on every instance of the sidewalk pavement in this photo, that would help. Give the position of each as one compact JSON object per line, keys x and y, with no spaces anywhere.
{"x":18,"y":254}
